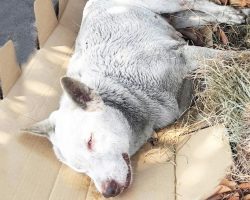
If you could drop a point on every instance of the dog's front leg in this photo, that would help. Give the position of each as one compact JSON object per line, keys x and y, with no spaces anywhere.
{"x":215,"y":13}
{"x":204,"y":12}
{"x":192,"y":18}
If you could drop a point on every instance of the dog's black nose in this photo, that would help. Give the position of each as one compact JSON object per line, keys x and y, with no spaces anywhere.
{"x":111,"y":189}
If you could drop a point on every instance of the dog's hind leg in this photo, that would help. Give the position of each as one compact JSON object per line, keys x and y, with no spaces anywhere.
{"x":195,"y":55}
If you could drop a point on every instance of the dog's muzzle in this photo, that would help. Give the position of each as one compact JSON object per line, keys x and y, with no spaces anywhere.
{"x":112,"y":188}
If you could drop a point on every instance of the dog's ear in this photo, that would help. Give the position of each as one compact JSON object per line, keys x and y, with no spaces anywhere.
{"x":43,"y":128}
{"x":81,"y":94}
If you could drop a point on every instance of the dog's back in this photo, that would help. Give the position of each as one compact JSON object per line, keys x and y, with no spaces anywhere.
{"x":132,"y":57}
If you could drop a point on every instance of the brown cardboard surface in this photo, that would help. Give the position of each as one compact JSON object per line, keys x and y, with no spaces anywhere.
{"x":28,"y":167}
{"x":151,"y":180}
{"x":9,"y":68}
{"x":46,"y":19}
{"x":62,"y":5}
{"x":69,"y":185}
{"x":73,"y":22}
{"x":201,"y":163}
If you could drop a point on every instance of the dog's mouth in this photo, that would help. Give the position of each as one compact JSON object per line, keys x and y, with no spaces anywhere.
{"x":129,"y":174}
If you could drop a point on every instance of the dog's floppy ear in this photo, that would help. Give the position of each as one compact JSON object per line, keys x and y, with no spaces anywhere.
{"x":81,"y":94}
{"x":43,"y":128}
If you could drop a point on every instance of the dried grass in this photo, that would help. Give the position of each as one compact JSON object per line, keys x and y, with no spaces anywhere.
{"x":225,"y":100}
{"x":238,"y":37}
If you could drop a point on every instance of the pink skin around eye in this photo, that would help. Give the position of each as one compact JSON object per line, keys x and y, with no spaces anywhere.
{"x":90,"y":143}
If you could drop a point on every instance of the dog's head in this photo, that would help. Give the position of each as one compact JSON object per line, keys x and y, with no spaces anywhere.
{"x":90,"y":137}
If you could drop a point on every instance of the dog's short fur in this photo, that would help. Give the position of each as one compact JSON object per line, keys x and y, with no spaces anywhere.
{"x":124,"y":80}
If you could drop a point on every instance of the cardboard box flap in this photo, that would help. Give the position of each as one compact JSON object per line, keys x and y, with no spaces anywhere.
{"x":62,"y":5}
{"x":46,"y":19}
{"x":9,"y":68}
{"x":202,"y":163}
{"x":70,"y":185}
{"x":73,"y":22}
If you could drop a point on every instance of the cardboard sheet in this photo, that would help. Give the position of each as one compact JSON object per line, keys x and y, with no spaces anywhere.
{"x":201,"y":164}
{"x":46,"y":20}
{"x":9,"y":68}
{"x":28,"y":166}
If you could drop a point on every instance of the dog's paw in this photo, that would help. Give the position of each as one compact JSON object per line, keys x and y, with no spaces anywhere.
{"x":231,"y":16}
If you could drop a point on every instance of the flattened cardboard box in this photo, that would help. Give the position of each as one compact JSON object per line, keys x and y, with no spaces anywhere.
{"x":28,"y":167}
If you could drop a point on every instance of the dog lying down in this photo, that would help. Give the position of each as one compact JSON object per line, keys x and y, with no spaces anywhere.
{"x":124,"y":80}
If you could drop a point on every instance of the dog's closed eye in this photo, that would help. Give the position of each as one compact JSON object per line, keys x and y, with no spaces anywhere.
{"x":90,"y":143}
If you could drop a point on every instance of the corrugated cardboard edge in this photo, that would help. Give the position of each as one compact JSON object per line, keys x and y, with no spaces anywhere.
{"x":46,"y":20}
{"x":9,"y":68}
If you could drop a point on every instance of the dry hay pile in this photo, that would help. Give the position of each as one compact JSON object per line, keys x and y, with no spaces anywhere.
{"x":226,"y":100}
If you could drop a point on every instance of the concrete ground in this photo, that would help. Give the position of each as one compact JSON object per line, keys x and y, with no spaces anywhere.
{"x":17,"y":24}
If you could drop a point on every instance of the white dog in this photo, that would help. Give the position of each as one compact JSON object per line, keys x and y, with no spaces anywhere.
{"x":125,"y":79}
